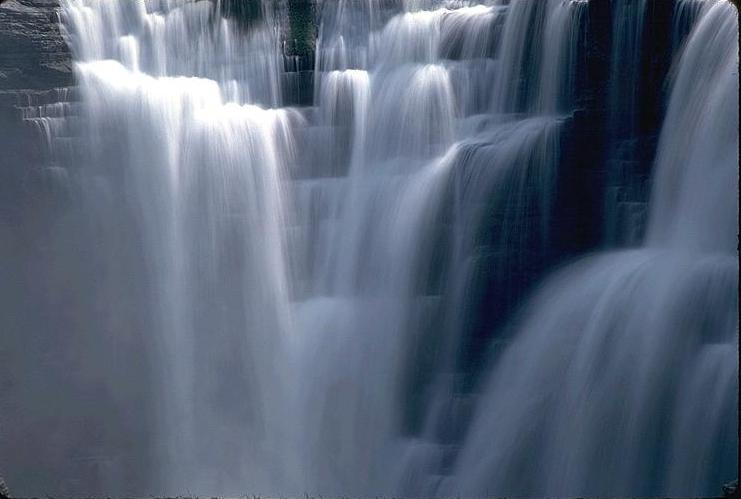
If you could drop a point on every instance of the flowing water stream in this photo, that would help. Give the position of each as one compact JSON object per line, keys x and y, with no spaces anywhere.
{"x":350,"y":298}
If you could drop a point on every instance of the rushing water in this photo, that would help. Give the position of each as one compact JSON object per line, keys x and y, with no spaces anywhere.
{"x":333,"y":299}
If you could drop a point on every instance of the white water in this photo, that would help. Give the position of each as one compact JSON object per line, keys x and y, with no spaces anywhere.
{"x":302,"y":289}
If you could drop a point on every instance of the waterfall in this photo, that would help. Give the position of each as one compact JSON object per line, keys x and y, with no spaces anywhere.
{"x":665,"y":425}
{"x":180,"y":148}
{"x":695,"y":199}
{"x":367,"y":295}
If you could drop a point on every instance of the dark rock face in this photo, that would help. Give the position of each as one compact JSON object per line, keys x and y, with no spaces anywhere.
{"x":299,"y":35}
{"x":34,"y":62}
{"x":604,"y":189}
{"x":33,"y":54}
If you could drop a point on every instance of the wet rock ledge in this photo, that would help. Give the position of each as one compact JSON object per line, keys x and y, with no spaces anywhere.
{"x":33,"y":55}
{"x":34,"y":62}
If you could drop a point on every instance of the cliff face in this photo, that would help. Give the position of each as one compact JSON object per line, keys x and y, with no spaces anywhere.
{"x":34,"y":62}
{"x":33,"y":55}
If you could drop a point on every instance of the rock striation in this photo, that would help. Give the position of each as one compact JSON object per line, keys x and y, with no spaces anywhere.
{"x":33,"y":54}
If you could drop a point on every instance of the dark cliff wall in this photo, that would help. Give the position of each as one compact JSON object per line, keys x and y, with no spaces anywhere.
{"x":33,"y":54}
{"x":616,"y":160}
{"x":299,"y":34}
{"x":34,"y":62}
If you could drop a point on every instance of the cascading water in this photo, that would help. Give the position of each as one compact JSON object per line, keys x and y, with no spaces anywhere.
{"x":665,"y":425}
{"x":329,"y":299}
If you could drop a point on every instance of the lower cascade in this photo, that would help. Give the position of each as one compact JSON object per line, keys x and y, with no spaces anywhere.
{"x":476,"y":258}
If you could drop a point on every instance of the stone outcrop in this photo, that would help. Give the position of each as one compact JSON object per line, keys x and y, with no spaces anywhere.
{"x":33,"y":54}
{"x":34,"y":63}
